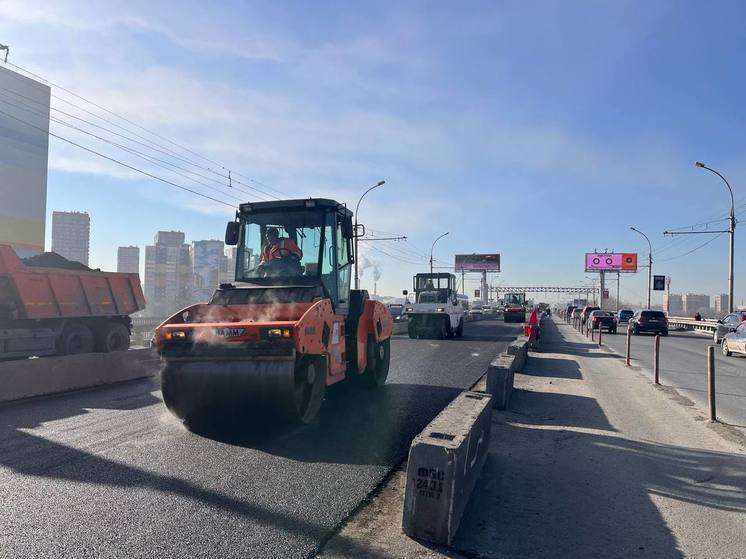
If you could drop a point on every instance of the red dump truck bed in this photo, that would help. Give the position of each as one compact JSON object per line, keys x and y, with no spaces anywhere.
{"x":43,"y":302}
{"x":41,"y":292}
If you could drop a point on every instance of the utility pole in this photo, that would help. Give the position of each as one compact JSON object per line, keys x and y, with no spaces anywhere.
{"x":432,"y":247}
{"x":357,"y":234}
{"x":731,"y":232}
{"x":618,"y":281}
{"x":650,"y":263}
{"x":668,"y":294}
{"x":603,"y":288}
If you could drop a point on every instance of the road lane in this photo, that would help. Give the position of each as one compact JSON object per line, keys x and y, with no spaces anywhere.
{"x":110,"y":473}
{"x":683,"y":365}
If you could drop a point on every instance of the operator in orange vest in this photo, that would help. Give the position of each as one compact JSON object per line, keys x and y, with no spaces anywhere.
{"x":279,"y":248}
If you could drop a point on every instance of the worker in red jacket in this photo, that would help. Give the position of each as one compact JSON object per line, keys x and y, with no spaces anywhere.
{"x":531,"y":330}
{"x":279,"y":248}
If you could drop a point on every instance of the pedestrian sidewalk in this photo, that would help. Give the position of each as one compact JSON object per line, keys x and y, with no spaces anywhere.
{"x":590,"y":460}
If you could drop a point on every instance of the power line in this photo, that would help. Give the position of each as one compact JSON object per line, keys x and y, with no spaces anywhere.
{"x":140,"y":127}
{"x":153,"y":160}
{"x":693,"y":250}
{"x":118,"y":162}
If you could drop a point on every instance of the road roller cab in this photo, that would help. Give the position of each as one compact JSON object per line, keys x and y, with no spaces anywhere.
{"x":287,"y":327}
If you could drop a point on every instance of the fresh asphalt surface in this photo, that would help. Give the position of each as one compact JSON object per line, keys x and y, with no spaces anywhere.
{"x":683,"y":366}
{"x":110,"y":473}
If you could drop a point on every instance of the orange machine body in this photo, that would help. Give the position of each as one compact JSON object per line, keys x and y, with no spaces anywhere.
{"x":243,"y":332}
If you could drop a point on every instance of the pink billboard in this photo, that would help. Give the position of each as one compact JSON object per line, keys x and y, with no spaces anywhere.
{"x":611,"y":262}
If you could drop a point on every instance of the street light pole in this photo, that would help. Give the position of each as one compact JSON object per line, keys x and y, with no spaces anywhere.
{"x":357,"y":277}
{"x":431,"y":250}
{"x":650,"y":262}
{"x":731,"y":232}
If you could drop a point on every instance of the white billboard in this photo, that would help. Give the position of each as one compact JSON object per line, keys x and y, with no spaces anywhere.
{"x":24,"y":154}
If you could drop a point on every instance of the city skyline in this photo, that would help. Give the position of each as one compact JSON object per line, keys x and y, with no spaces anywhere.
{"x":484,"y":151}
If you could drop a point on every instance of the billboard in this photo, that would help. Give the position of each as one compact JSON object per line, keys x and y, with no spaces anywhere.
{"x":24,"y":136}
{"x":611,"y":262}
{"x":477,"y":262}
{"x":659,"y":283}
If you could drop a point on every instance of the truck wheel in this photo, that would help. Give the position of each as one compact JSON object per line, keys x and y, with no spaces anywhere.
{"x":460,"y":328}
{"x":75,"y":338}
{"x":115,"y":336}
{"x":377,"y":367}
{"x":450,"y":332}
{"x":412,"y":331}
{"x":441,"y":329}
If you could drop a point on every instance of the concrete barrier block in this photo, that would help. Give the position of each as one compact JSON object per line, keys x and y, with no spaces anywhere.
{"x":25,"y":378}
{"x":500,"y":377}
{"x":445,"y":461}
{"x":519,"y":348}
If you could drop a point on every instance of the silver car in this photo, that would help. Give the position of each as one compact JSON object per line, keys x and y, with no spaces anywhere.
{"x":735,"y":342}
{"x":727,"y":324}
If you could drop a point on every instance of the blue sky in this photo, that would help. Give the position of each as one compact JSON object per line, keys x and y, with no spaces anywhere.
{"x":540,"y":130}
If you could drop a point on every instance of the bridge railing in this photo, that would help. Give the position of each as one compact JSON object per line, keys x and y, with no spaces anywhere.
{"x":708,"y":325}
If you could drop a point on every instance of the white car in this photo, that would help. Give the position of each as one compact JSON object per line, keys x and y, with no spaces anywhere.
{"x":727,"y":324}
{"x":735,"y":342}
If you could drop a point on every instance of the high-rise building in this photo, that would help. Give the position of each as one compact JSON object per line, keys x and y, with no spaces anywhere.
{"x":207,"y":259}
{"x":228,"y":266}
{"x":24,"y":136}
{"x":71,"y":233}
{"x":721,"y":303}
{"x":169,"y":277}
{"x":128,"y":259}
{"x":694,"y":302}
{"x":673,"y":304}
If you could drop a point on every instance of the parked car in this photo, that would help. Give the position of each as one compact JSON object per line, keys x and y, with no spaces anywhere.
{"x":603,"y":320}
{"x":735,"y":342}
{"x":727,"y":324}
{"x":576,"y":312}
{"x":649,"y":321}
{"x":623,"y":315}
{"x":587,"y":310}
{"x":567,"y":313}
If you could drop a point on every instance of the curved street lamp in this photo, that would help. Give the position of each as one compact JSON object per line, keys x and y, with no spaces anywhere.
{"x":357,"y":277}
{"x":731,"y":232}
{"x":650,"y":262}
{"x":432,"y":247}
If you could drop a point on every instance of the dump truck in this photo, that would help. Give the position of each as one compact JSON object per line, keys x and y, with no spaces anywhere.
{"x":53,"y":306}
{"x":515,"y":307}
{"x":286,"y":328}
{"x":438,"y":311}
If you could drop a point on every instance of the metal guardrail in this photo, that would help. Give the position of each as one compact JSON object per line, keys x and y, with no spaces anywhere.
{"x":144,"y":322}
{"x":708,"y":325}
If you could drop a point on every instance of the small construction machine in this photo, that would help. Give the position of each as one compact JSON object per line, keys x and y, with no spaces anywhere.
{"x":288,"y":327}
{"x":438,"y":311}
{"x":515,"y":307}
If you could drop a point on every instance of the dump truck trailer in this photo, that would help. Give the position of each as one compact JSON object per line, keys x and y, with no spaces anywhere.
{"x":52,"y":306}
